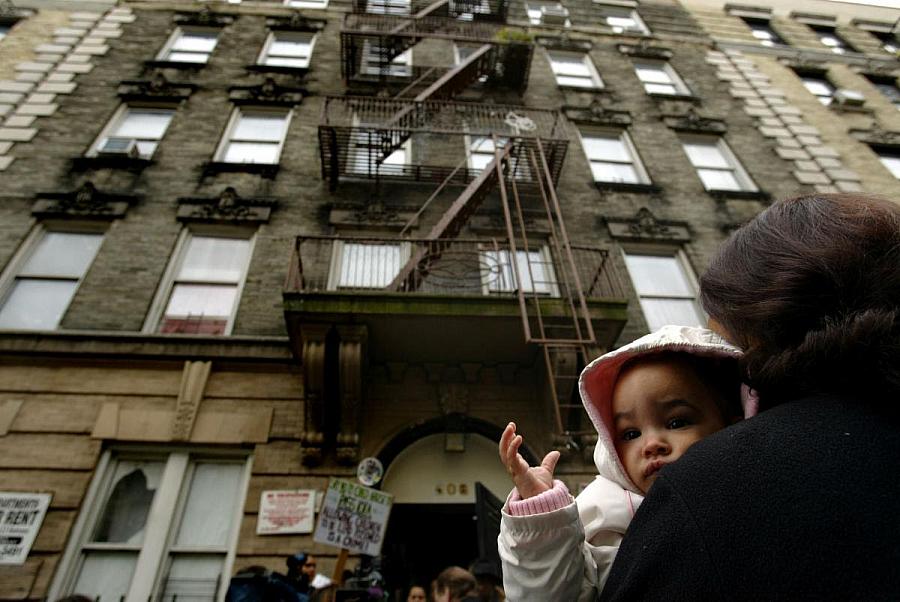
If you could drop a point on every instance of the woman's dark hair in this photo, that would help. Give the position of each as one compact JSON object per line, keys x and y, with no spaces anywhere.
{"x":810,"y":289}
{"x":458,"y":580}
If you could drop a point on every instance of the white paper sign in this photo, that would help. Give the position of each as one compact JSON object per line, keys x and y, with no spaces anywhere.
{"x":353,"y":517}
{"x":21,"y":516}
{"x":283,"y":512}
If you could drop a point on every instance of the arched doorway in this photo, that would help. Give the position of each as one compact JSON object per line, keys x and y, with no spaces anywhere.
{"x":435,"y":521}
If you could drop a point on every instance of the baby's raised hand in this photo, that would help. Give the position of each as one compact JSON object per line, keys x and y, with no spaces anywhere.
{"x":529,"y":481}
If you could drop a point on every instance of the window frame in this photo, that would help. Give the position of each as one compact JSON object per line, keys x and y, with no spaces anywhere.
{"x":818,"y":78}
{"x":273,"y":36}
{"x":26,"y":250}
{"x":372,"y":68}
{"x":234,"y":120}
{"x":337,"y":262}
{"x":681,"y":259}
{"x":628,"y":12}
{"x":545,"y":258}
{"x":886,"y":86}
{"x":637,"y":163}
{"x":764,"y":25}
{"x":888,"y":153}
{"x":741,"y":175}
{"x":822,"y":31}
{"x":118,"y":118}
{"x":322,"y":4}
{"x":681,"y":88}
{"x":178,"y":33}
{"x":536,"y":6}
{"x":593,"y":75}
{"x":179,"y":252}
{"x":157,"y":545}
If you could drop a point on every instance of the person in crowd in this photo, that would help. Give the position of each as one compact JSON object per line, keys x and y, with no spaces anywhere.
{"x":801,"y":502}
{"x":650,"y":401}
{"x":416,"y":594}
{"x":302,"y":573}
{"x":487,"y":574}
{"x":258,"y":584}
{"x":455,"y":584}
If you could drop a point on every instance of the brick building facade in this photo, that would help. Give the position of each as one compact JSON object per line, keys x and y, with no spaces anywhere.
{"x":245,"y":245}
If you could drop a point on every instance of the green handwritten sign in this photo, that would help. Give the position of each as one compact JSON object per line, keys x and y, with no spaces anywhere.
{"x":353,"y":517}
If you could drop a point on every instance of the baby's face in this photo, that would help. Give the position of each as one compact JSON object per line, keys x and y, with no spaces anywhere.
{"x":660,"y":408}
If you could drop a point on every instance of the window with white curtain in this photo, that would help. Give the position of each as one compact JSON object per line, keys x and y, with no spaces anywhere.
{"x":659,"y":77}
{"x":717,"y":167}
{"x":42,"y":281}
{"x":254,"y":136}
{"x":613,"y":158}
{"x":666,"y":289}
{"x":828,"y":37}
{"x":184,"y":507}
{"x":622,"y":19}
{"x":535,"y":271}
{"x":762,"y":31}
{"x":191,"y":45}
{"x":366,"y":264}
{"x":288,"y":49}
{"x":374,"y":61}
{"x":202,"y":293}
{"x":574,"y":69}
{"x":133,"y":131}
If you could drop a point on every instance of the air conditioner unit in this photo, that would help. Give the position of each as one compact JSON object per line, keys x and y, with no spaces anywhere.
{"x":849,"y":98}
{"x":554,"y":15}
{"x":119,"y":147}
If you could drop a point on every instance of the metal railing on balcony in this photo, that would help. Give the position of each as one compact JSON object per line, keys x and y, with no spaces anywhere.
{"x":374,"y":138}
{"x":457,"y":267}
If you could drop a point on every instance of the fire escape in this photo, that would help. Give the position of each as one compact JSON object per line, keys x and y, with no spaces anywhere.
{"x":511,"y":155}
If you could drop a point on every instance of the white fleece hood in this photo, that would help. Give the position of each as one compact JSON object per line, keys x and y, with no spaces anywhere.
{"x":598,"y":380}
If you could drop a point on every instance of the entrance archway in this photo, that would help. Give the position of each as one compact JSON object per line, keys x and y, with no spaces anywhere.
{"x":434,"y":521}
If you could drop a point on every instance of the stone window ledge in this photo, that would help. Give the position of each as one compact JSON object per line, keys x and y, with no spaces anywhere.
{"x":757,"y":195}
{"x":266,"y":170}
{"x":627,"y":187}
{"x":298,"y":71}
{"x":134,"y":164}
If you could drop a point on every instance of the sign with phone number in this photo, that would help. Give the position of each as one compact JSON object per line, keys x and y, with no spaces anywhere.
{"x":21,"y":516}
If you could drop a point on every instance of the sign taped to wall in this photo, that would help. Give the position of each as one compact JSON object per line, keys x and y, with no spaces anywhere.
{"x":21,"y":516}
{"x":283,"y":512}
{"x":353,"y":517}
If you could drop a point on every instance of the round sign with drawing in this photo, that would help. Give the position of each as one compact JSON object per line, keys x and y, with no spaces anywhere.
{"x":370,"y":471}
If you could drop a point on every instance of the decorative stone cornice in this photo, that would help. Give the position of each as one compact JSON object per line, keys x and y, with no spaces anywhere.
{"x":692,"y":121}
{"x":227,"y":207}
{"x":155,"y":88}
{"x":645,"y":226}
{"x":269,"y":92}
{"x":296,"y":22}
{"x":10,"y":13}
{"x":646,"y":49}
{"x":599,"y":112}
{"x":85,"y":202}
{"x":802,"y":62}
{"x":205,"y":17}
{"x":877,"y":136}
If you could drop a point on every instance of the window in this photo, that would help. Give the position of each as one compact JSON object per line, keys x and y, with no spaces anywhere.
{"x":46,"y":277}
{"x":462,"y":52}
{"x":465,"y":10}
{"x":548,"y":13}
{"x":4,"y":29}
{"x":388,"y":7}
{"x":481,"y":152}
{"x":306,"y":3}
{"x":574,"y":69}
{"x":366,"y":264}
{"x":891,"y":160}
{"x":623,"y":20}
{"x":133,"y":132}
{"x":367,"y":149}
{"x":716,"y":165}
{"x":820,"y":87}
{"x":888,"y":87}
{"x":889,"y":42}
{"x":659,"y":77}
{"x":190,"y":46}
{"x":666,"y":289}
{"x":613,"y":158}
{"x":159,"y":526}
{"x":288,"y":49}
{"x":254,"y":136}
{"x":375,"y":60}
{"x":762,"y":31}
{"x":829,"y":37}
{"x":535,"y":269}
{"x":207,"y":274}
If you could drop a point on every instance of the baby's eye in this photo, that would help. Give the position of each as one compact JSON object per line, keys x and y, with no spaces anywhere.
{"x":630,"y":434}
{"x":678,"y":423}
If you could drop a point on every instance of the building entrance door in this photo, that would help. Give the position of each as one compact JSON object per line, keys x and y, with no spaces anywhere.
{"x":435,"y":519}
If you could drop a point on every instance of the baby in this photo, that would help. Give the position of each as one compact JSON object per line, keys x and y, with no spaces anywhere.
{"x":649,"y":401}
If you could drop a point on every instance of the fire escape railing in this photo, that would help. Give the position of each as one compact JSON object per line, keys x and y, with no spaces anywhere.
{"x":465,"y":10}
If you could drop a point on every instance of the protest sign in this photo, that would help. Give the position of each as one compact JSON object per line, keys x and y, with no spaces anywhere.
{"x":21,"y":516}
{"x":353,"y":517}
{"x":282,"y":512}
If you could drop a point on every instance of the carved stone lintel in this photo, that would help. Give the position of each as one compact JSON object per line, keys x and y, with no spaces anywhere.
{"x":877,"y":136}
{"x":351,"y":359}
{"x":646,"y":49}
{"x":565,"y":42}
{"x":296,"y":22}
{"x":805,"y":63}
{"x":193,"y":384}
{"x":227,"y":207}
{"x":10,"y":13}
{"x":692,"y":121}
{"x":269,"y":92}
{"x":313,"y":357}
{"x":645,"y":226}
{"x":372,"y":215}
{"x":205,"y":17}
{"x":599,"y":112}
{"x":157,"y":87}
{"x":85,"y":201}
